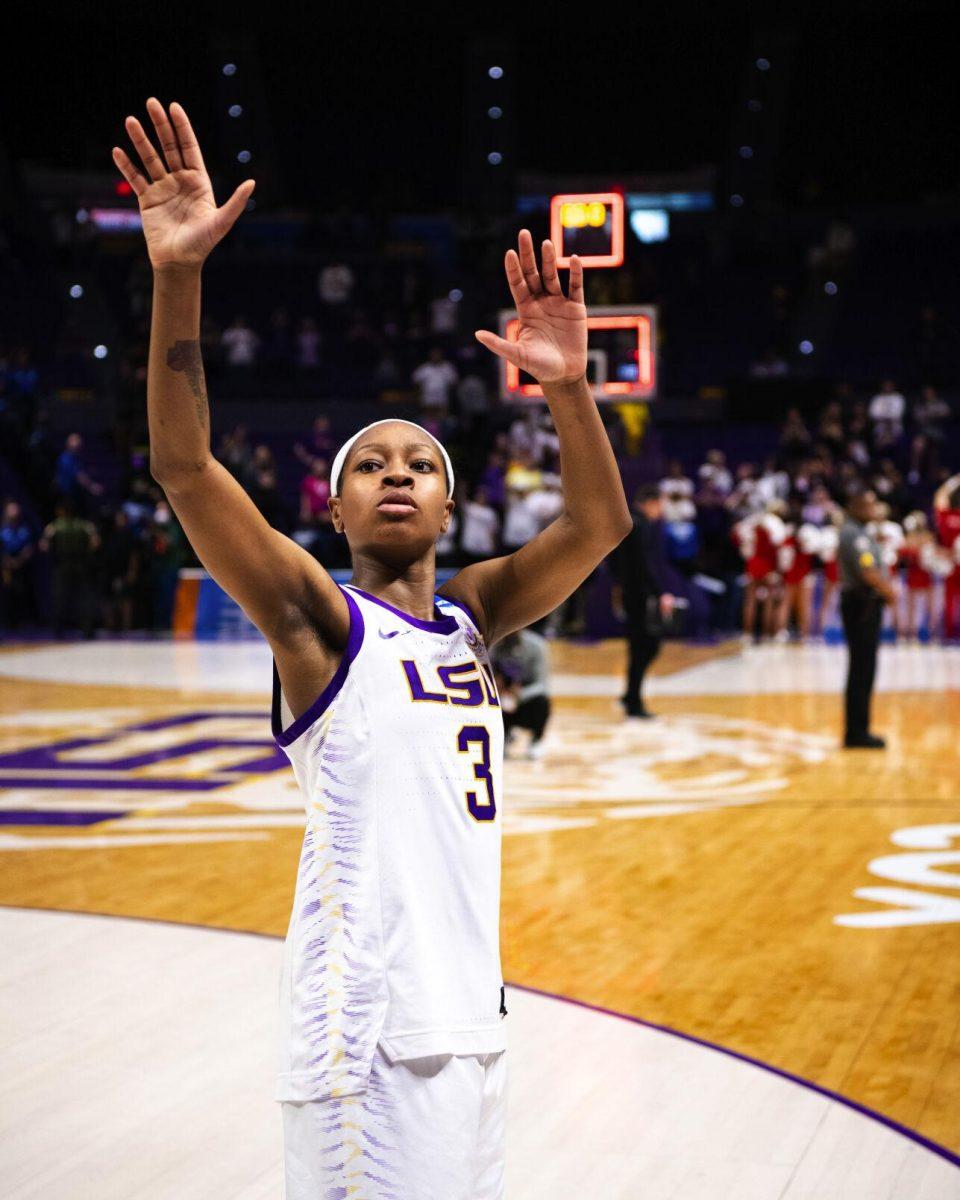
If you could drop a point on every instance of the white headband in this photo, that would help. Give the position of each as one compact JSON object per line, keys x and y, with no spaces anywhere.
{"x":344,"y":450}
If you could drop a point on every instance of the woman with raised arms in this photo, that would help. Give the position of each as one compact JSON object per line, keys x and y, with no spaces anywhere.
{"x":392,"y":1072}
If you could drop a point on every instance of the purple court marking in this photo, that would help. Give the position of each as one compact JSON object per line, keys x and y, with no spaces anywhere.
{"x":933,"y":1147}
{"x":903,"y":1130}
{"x":265,"y":758}
{"x":41,"y":816}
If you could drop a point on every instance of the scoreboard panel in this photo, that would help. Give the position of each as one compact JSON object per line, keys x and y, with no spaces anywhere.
{"x":590,"y":225}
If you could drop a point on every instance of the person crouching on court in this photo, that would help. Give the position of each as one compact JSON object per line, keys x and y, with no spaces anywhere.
{"x":392,"y":1067}
{"x":521,"y":664}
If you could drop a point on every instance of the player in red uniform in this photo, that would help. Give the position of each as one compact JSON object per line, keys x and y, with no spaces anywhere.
{"x":946,"y":509}
{"x":758,"y":537}
{"x":918,"y":555}
{"x":795,"y":559}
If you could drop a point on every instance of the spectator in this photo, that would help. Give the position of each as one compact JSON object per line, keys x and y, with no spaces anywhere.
{"x":71,"y":543}
{"x":435,"y":378}
{"x":473,"y":403}
{"x":713,"y":473}
{"x":493,"y":481}
{"x":166,"y":546}
{"x":335,"y":284}
{"x":930,"y":415}
{"x":318,"y":444}
{"x":770,"y":365}
{"x":522,"y":521}
{"x":240,"y":344}
{"x":887,"y":409}
{"x":263,"y":488}
{"x":830,"y":431}
{"x":446,"y":546}
{"x":523,"y":474}
{"x":122,"y":564}
{"x":308,"y":345}
{"x":315,"y":492}
{"x":278,"y":353}
{"x":795,"y":439}
{"x":529,"y":438}
{"x":17,"y":546}
{"x":235,"y":454}
{"x":71,"y":481}
{"x":773,"y":484}
{"x":676,"y":482}
{"x":742,"y":501}
{"x":481,"y":527}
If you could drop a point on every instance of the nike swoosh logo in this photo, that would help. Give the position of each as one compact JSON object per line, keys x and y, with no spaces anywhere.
{"x":392,"y":633}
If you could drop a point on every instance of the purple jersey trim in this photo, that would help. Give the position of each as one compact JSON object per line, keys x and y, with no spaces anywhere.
{"x":463,"y":607}
{"x":444,"y":625}
{"x":284,"y":737}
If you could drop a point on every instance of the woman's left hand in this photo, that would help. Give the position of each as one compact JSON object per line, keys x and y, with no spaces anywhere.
{"x":552,"y":341}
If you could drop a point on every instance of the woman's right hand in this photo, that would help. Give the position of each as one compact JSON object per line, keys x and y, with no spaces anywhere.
{"x":181,"y":221}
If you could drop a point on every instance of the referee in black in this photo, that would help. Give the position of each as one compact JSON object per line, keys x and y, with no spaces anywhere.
{"x":639,"y":593}
{"x":864,"y":589}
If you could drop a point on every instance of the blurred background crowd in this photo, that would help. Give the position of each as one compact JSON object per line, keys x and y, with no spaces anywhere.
{"x":806,"y":301}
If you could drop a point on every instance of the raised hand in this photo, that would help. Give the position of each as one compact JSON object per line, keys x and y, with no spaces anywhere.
{"x":181,"y":221}
{"x":552,"y":341}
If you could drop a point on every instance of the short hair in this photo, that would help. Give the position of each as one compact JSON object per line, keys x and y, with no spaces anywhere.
{"x":645,"y":492}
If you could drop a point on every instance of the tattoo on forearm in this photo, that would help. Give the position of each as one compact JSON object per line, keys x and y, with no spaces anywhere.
{"x":185,"y":356}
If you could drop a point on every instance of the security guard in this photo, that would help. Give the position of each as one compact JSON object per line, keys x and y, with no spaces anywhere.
{"x":639,"y":594}
{"x":864,"y":589}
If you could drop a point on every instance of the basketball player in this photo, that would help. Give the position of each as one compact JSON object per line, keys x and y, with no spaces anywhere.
{"x":392,"y":1066}
{"x":946,"y":509}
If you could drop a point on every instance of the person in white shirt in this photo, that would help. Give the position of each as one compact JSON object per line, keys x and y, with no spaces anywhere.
{"x":886,"y":412}
{"x":675,"y":482}
{"x":335,"y":283}
{"x":521,"y":522}
{"x":435,"y":378}
{"x":481,"y":526}
{"x":240,"y":343}
{"x":715,"y":473}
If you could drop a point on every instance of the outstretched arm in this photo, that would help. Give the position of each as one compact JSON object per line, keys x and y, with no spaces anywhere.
{"x":941,"y":498}
{"x":278,"y":584}
{"x":510,"y":592}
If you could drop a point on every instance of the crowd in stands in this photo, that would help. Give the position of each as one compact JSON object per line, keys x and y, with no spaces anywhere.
{"x":755,"y":541}
{"x":773,"y":530}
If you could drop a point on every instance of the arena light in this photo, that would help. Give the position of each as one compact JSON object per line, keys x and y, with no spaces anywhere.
{"x":122,"y":188}
{"x":235,"y":110}
{"x":830,"y":288}
{"x":495,"y":158}
{"x":736,"y":200}
{"x":455,"y":295}
{"x":100,"y":351}
{"x":763,"y":64}
{"x":244,"y":156}
{"x":587,"y":210}
{"x":495,"y":72}
{"x":806,"y":347}
{"x":745,"y":152}
{"x":495,"y":112}
{"x":76,"y":291}
{"x":229,"y":68}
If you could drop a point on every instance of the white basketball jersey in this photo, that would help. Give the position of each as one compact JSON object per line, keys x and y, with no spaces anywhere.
{"x":394,"y":932}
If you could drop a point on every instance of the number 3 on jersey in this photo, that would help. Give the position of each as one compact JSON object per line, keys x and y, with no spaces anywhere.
{"x":487,"y":809}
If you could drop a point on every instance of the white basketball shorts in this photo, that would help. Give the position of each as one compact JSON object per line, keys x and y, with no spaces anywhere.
{"x":425,"y":1129}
